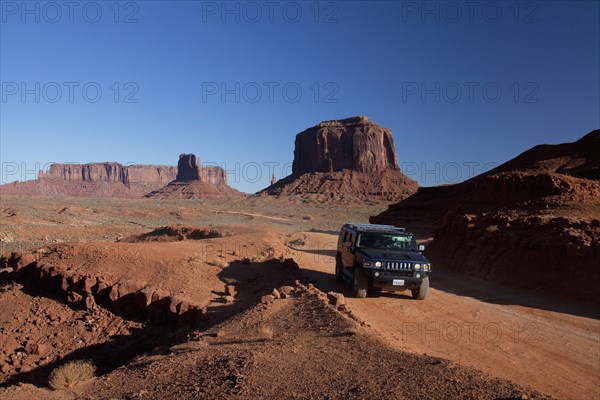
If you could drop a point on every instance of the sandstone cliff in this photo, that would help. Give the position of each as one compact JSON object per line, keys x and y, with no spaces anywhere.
{"x":193,"y":181}
{"x":355,"y":144}
{"x":111,"y":179}
{"x":346,"y":160}
{"x":107,"y":179}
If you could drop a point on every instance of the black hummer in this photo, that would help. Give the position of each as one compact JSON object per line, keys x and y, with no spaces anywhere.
{"x":381,"y":257}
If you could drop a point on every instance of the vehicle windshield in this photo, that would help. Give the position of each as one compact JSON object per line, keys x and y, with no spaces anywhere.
{"x":387,"y":241}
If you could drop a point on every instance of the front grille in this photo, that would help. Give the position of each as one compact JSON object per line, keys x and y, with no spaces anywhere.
{"x":399,"y":266}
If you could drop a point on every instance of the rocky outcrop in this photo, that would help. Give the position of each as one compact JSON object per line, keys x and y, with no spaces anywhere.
{"x":532,"y":217}
{"x":134,"y":300}
{"x":107,"y":179}
{"x":194,"y":181}
{"x":110,"y":179}
{"x":188,"y":169}
{"x":580,"y":159}
{"x":346,"y":160}
{"x":109,"y":172}
{"x":354,"y":144}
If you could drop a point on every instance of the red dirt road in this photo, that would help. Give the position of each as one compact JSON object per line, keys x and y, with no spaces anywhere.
{"x":549,"y":344}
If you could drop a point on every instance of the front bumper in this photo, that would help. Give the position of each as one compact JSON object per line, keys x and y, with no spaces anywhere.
{"x":384,"y":279}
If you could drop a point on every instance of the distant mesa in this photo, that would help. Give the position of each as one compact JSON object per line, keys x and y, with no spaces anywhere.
{"x":106,"y":179}
{"x":348,"y":159}
{"x":193,"y":181}
{"x":111,"y":179}
{"x":527,"y":222}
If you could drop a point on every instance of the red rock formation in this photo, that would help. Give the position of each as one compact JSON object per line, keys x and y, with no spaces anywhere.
{"x":134,"y":299}
{"x":528,"y":222}
{"x":195,"y":181}
{"x":355,"y":144}
{"x":345,"y":160}
{"x":108,"y":179}
{"x":188,"y":168}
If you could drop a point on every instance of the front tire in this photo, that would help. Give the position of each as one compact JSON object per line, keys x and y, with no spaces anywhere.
{"x":422,"y":291}
{"x":360,"y":283}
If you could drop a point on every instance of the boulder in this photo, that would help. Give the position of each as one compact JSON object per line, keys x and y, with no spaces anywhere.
{"x":336,"y":299}
{"x":286,"y":290}
{"x":267,"y":299}
{"x":276,"y":294}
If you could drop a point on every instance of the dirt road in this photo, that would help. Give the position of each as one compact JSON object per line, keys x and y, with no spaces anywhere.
{"x":549,"y":344}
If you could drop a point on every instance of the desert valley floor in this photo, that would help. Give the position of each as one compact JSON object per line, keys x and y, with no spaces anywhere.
{"x":469,"y":339}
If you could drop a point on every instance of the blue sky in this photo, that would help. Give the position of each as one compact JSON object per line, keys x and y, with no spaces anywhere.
{"x":462,"y":85}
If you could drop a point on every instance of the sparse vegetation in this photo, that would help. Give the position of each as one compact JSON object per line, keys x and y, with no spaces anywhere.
{"x":266,"y":332}
{"x":218,"y":262}
{"x":492,"y":228}
{"x":71,"y":373}
{"x":230,"y":281}
{"x":352,"y":330}
{"x":544,"y":219}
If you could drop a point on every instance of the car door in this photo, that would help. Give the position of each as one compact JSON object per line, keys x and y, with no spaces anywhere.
{"x":348,"y":252}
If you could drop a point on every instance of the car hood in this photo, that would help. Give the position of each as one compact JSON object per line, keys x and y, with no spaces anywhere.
{"x":382,"y":255}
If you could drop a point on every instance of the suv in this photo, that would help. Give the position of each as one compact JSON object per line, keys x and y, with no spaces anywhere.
{"x":383,"y":258}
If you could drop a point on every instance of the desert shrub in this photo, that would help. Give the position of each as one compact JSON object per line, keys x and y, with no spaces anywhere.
{"x":266,"y":332}
{"x":544,"y":219}
{"x":230,"y":281}
{"x":217,"y":262}
{"x":492,"y":228}
{"x":70,"y":373}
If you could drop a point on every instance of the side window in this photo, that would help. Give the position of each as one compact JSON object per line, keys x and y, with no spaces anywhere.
{"x":345,"y":236}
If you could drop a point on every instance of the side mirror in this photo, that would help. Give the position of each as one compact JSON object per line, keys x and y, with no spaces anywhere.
{"x":421,"y":247}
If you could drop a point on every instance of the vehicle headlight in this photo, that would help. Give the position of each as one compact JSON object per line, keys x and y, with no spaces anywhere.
{"x":367,"y":264}
{"x":378,"y":264}
{"x":417,"y":267}
{"x":425,"y":267}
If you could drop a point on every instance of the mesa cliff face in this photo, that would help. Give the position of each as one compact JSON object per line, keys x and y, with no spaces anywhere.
{"x":354,"y":144}
{"x":345,"y":160}
{"x":107,"y":179}
{"x":109,"y":172}
{"x":111,"y":179}
{"x":193,"y":181}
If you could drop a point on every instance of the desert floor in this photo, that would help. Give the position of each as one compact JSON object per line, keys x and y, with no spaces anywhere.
{"x":540,"y":342}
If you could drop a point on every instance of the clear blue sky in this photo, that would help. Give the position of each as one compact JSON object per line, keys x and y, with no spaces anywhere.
{"x":429,"y":71}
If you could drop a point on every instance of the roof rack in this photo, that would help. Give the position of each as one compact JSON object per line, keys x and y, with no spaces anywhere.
{"x":375,"y":227}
